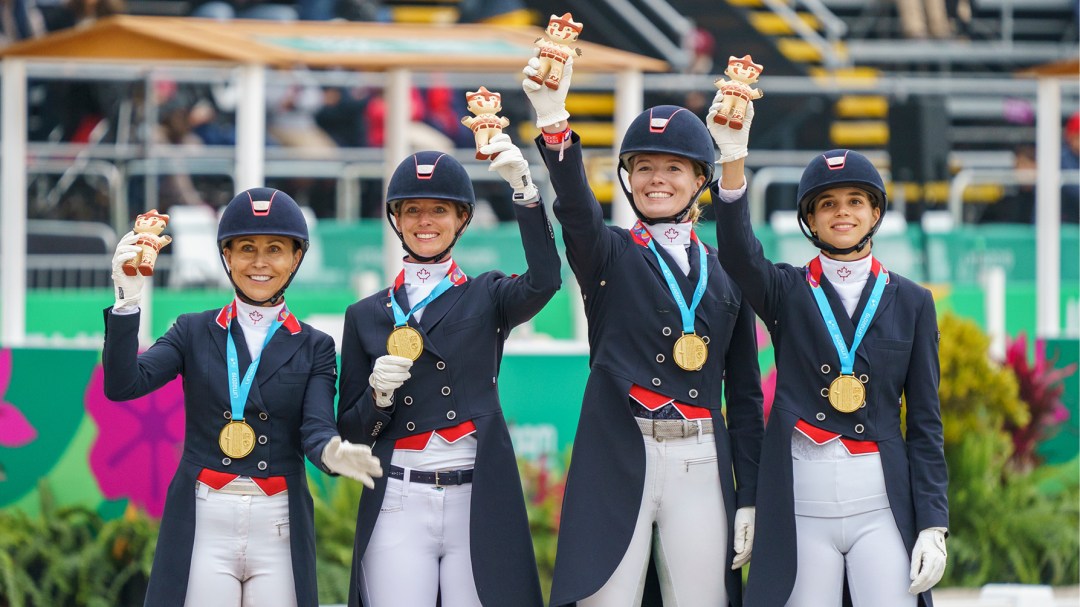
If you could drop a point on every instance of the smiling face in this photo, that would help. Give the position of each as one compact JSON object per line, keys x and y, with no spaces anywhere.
{"x":662,"y":184}
{"x":428,"y":225}
{"x":261,"y":265}
{"x":841,"y":217}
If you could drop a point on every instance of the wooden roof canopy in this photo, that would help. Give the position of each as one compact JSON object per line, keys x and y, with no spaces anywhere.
{"x":362,"y":46}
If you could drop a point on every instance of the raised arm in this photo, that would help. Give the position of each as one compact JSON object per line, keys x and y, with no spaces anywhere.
{"x":521,"y":297}
{"x":740,"y":252}
{"x":588,"y":241}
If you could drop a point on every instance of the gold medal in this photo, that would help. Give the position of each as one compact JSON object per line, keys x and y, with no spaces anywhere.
{"x":690,"y":352}
{"x":847,"y":394}
{"x":405,"y":341}
{"x":237,"y":439}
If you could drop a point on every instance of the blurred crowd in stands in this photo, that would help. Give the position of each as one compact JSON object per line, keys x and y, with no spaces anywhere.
{"x":314,"y":120}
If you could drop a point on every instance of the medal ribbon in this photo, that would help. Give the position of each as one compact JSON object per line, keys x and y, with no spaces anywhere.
{"x":687,"y":312}
{"x":454,"y":276}
{"x":847,"y":356}
{"x":239,"y":389}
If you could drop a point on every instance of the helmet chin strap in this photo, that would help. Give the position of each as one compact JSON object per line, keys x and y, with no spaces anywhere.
{"x":832,"y":250}
{"x":430,"y":258}
{"x":273,"y":300}
{"x":676,"y":218}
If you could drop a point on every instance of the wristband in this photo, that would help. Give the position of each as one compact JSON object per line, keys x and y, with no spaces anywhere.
{"x":557,"y":138}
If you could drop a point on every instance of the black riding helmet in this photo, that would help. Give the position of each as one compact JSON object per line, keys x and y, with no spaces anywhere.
{"x":667,"y":129}
{"x":434,"y":175}
{"x":837,"y":168}
{"x":258,"y":212}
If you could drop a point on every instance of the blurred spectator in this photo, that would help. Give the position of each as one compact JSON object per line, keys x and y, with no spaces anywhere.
{"x":420,"y":135}
{"x":1018,"y":204}
{"x":1070,"y":165}
{"x":921,"y":19}
{"x":292,"y":103}
{"x":20,"y":20}
{"x":270,"y":10}
{"x":342,"y":116}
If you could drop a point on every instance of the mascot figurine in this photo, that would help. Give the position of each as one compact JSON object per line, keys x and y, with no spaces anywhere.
{"x":484,"y":122}
{"x":553,"y":49}
{"x":737,"y":92}
{"x":148,"y":226}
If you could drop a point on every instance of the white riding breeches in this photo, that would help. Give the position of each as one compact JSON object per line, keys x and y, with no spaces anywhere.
{"x":419,"y":548}
{"x":843,"y":521}
{"x":682,"y":523}
{"x":241,"y":556}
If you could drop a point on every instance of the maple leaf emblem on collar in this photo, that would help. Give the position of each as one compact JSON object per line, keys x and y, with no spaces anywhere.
{"x":843,"y":273}
{"x":671,"y":234}
{"x":255,"y":316}
{"x":423,"y":274}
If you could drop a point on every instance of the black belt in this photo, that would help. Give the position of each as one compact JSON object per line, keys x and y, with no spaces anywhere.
{"x":439,"y":479}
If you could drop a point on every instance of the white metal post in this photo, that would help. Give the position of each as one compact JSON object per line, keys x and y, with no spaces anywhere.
{"x":1048,"y":209}
{"x":395,"y":146}
{"x":251,"y":128}
{"x":13,"y":209}
{"x":629,"y":95}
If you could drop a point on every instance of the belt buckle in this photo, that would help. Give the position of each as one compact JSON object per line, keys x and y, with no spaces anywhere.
{"x":657,"y":434}
{"x":437,"y":485}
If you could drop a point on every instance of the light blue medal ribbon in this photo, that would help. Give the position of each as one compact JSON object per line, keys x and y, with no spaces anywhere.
{"x":687,"y":312}
{"x":401,"y":318}
{"x":239,"y":389}
{"x":847,"y":356}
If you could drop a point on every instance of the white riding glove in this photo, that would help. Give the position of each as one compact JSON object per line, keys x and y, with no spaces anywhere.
{"x":744,"y":536}
{"x":353,"y":461}
{"x":512,"y":167}
{"x":732,"y":143}
{"x":927,"y":560}
{"x":128,"y":289}
{"x":550,"y":105}
{"x":389,"y":374}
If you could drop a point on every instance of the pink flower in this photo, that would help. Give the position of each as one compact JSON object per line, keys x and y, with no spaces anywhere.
{"x":139,"y":442}
{"x":768,"y":387}
{"x":15,"y":430}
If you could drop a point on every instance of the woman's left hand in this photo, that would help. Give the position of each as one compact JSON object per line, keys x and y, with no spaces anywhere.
{"x":512,"y":167}
{"x":744,"y":536}
{"x":928,"y":560}
{"x":353,"y":461}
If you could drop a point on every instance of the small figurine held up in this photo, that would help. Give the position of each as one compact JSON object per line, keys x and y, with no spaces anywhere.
{"x":737,"y":92}
{"x":484,"y":105}
{"x":553,"y":50}
{"x":148,"y":226}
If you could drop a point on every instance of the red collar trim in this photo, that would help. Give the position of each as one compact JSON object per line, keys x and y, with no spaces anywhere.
{"x":813,"y":271}
{"x":287,"y":318}
{"x":642,"y":236}
{"x":456,"y":274}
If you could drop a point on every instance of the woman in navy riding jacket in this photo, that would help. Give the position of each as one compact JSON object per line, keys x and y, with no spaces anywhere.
{"x":238,"y":527}
{"x":843,"y":492}
{"x":420,"y":364}
{"x":665,"y":456}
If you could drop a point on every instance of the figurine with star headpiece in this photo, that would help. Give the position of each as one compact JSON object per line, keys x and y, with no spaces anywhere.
{"x":149,"y":227}
{"x":553,"y":49}
{"x":737,"y":91}
{"x":485,"y":123}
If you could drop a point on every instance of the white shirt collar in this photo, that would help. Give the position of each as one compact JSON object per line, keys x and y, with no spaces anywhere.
{"x":425,"y":274}
{"x":671,"y":234}
{"x":846,"y":272}
{"x":257,"y":317}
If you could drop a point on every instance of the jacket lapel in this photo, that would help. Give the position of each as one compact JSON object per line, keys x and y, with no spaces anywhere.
{"x":283,"y":345}
{"x":847,"y":327}
{"x":436,"y":310}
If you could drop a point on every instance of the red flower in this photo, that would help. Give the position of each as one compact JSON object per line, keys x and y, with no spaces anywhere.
{"x":139,"y":442}
{"x":1041,"y":387}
